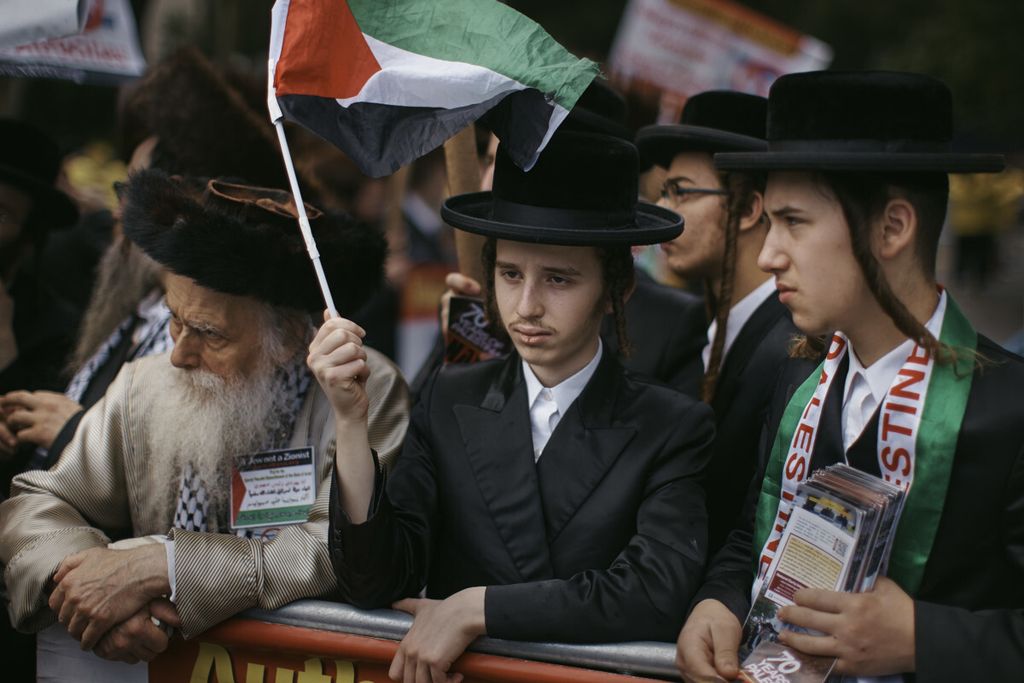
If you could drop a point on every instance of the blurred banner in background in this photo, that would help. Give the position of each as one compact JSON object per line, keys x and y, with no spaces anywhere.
{"x":27,"y":22}
{"x":670,"y":49}
{"x":105,"y":52}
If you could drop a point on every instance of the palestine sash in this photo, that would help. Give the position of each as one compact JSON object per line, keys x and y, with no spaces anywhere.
{"x":919,"y":421}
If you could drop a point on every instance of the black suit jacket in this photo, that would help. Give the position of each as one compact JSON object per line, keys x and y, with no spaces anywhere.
{"x":969,"y":609}
{"x":742,"y":397}
{"x":603,"y":539}
{"x":668,"y":329}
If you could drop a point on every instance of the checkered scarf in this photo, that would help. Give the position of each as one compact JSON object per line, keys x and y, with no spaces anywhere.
{"x":153,"y":335}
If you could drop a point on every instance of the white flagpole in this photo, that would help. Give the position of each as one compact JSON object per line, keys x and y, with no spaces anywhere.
{"x":307,"y":233}
{"x":277,"y":116}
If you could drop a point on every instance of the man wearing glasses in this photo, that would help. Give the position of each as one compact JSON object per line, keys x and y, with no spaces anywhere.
{"x":725,"y":229}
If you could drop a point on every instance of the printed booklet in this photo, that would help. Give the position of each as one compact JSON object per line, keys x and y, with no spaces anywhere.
{"x":470,"y":337}
{"x":838,"y":538}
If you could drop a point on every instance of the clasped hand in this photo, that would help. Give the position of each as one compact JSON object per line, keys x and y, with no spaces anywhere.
{"x":99,"y":589}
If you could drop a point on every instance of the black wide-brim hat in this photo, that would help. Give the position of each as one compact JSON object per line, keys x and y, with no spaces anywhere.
{"x":581,"y":192}
{"x":245,"y":240}
{"x":30,"y":161}
{"x":712,"y":121}
{"x":870,"y":121}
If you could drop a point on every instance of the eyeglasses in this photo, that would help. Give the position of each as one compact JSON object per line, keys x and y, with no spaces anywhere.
{"x":675,"y":193}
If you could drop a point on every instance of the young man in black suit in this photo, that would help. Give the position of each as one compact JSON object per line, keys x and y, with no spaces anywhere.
{"x":908,"y":391}
{"x":751,"y":332}
{"x":548,"y":496}
{"x":665,"y":324}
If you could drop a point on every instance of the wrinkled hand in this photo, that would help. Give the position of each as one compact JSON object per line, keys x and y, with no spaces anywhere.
{"x":440,"y":633}
{"x":458,"y":285}
{"x":870,"y":634}
{"x":338,"y":360}
{"x":37,"y":416}
{"x":137,"y":638}
{"x":708,"y":644}
{"x":99,"y":588}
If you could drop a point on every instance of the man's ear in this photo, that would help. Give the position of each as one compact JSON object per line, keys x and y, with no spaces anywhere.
{"x":896,"y":230}
{"x":754,"y":214}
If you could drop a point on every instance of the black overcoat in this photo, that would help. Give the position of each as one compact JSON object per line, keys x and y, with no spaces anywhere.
{"x":969,"y":609}
{"x":603,"y":539}
{"x":742,"y":397}
{"x":667,"y":328}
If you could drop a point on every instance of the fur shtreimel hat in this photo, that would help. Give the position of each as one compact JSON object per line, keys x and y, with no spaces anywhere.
{"x":712,"y":121}
{"x":581,"y":192}
{"x":204,"y":125}
{"x":872,"y":121}
{"x":245,"y":240}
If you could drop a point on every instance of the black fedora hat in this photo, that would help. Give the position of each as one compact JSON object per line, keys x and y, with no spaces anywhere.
{"x":860,"y":121}
{"x":30,"y":161}
{"x":582,"y":191}
{"x":712,"y":121}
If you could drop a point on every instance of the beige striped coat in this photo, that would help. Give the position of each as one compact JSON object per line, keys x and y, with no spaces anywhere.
{"x":95,"y":493}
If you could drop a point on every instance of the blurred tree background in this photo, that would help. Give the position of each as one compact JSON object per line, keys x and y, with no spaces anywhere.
{"x":977,"y":48}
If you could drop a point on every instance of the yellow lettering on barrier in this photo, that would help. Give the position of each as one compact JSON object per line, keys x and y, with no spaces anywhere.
{"x":314,"y":672}
{"x":213,"y":658}
{"x":284,"y":675}
{"x":254,"y":673}
{"x":345,"y":671}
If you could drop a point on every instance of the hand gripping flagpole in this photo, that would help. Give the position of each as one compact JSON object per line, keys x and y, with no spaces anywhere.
{"x":307,"y":233}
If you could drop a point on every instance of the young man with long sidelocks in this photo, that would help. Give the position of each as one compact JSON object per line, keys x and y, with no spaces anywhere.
{"x":548,"y":496}
{"x":908,"y":391}
{"x":750,"y":331}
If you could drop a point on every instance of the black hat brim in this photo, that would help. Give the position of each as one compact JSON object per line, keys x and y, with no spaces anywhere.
{"x":51,"y":208}
{"x":472,"y":212}
{"x":659,"y":144}
{"x":884,"y":162}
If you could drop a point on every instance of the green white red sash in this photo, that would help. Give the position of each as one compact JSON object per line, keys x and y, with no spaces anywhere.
{"x":919,"y":421}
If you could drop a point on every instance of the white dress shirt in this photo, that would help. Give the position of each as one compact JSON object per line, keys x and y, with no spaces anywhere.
{"x":548,"y":404}
{"x":866,"y":387}
{"x":739,"y":314}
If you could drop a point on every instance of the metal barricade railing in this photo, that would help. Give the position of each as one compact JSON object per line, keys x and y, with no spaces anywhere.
{"x":637,"y":658}
{"x":315,"y":640}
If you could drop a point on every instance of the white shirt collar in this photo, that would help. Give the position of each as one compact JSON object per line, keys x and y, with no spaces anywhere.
{"x":566,"y":391}
{"x":882,"y":372}
{"x":739,"y":314}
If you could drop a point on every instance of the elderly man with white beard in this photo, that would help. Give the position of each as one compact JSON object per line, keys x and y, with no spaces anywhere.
{"x":152,"y":516}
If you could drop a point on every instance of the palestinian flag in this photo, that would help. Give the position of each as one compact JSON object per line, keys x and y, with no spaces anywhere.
{"x":389,"y":80}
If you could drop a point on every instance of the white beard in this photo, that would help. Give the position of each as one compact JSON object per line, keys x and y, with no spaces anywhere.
{"x":201,"y":419}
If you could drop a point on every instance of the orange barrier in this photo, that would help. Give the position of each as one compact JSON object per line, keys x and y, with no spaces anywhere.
{"x":251,"y":651}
